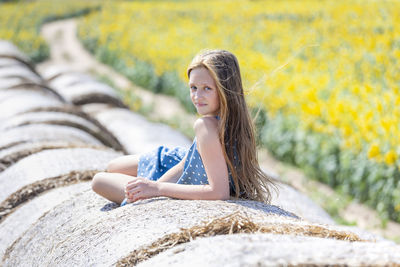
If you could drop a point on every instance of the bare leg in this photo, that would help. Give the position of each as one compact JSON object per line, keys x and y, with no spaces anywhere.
{"x":111,"y":185}
{"x":125,"y":164}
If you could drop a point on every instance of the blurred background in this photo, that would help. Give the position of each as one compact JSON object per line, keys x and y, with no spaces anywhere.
{"x":322,"y":76}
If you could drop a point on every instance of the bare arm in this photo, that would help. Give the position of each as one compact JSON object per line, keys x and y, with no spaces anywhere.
{"x":173,"y":174}
{"x":210,"y":150}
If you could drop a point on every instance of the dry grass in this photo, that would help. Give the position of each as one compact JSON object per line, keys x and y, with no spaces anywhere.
{"x":98,"y":98}
{"x":23,"y":61}
{"x":12,"y":144}
{"x":57,"y":75}
{"x":30,"y":191}
{"x":234,"y":223}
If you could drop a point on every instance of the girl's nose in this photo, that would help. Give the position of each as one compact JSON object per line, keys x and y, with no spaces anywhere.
{"x":199,"y":94}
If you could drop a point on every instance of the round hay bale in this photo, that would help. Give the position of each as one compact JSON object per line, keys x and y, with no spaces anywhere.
{"x":276,"y":250}
{"x":8,"y":50}
{"x":9,"y":94}
{"x":39,"y":172}
{"x":136,"y":134}
{"x":36,"y":87}
{"x":6,"y":83}
{"x":84,"y":86}
{"x":8,"y":62}
{"x":20,"y":72}
{"x":98,"y":98}
{"x":19,"y":151}
{"x":70,"y":79}
{"x":93,"y":109}
{"x":42,"y":132}
{"x":72,"y":229}
{"x":59,"y":118}
{"x":90,"y":92}
{"x":86,"y":223}
{"x":15,"y":224}
{"x":54,"y":71}
{"x":105,"y":135}
{"x":22,"y":80}
{"x":14,"y":103}
{"x":293,"y":201}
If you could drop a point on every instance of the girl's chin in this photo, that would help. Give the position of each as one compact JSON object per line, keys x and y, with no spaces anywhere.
{"x":205,"y":114}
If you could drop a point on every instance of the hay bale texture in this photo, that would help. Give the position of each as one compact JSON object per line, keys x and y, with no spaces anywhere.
{"x":10,"y":51}
{"x":6,"y":83}
{"x":46,"y":144}
{"x":66,"y":117}
{"x":52,"y":163}
{"x":79,"y":90}
{"x":76,"y":227}
{"x":61,"y":80}
{"x":22,"y":101}
{"x":275,"y":250}
{"x":83,"y":232}
{"x":16,"y":223}
{"x":55,"y":71}
{"x":58,"y":128}
{"x":300,"y":205}
{"x":44,"y":132}
{"x":137,"y":134}
{"x":7,"y":62}
{"x":20,"y":71}
{"x":13,"y":154}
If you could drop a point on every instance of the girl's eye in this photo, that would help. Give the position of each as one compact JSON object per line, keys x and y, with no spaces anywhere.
{"x":193,"y":88}
{"x":208,"y":88}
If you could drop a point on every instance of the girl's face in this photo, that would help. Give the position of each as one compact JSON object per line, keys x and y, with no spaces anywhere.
{"x":203,"y":92}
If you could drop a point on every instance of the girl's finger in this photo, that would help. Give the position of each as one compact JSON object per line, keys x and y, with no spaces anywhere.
{"x":137,"y":197}
{"x":135,"y":179}
{"x":134,"y":190}
{"x":133,"y":193}
{"x":131,"y":185}
{"x":132,"y":181}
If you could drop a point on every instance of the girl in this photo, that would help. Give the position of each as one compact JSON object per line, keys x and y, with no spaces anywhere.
{"x":222,"y":160}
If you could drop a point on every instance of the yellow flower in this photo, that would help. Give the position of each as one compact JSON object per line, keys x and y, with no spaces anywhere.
{"x":397,"y":208}
{"x":373,"y":151}
{"x":390,"y":157}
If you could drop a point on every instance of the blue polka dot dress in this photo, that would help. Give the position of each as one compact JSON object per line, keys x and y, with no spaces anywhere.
{"x":193,"y":171}
{"x":154,"y":164}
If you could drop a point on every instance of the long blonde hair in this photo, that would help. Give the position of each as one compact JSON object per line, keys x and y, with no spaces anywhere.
{"x":236,"y":128}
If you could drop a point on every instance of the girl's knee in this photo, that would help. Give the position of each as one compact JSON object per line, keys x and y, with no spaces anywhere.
{"x":112,"y":165}
{"x":116,"y":165}
{"x":98,"y":181}
{"x":125,"y":164}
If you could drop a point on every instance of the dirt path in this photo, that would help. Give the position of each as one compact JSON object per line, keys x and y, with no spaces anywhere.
{"x":66,"y":50}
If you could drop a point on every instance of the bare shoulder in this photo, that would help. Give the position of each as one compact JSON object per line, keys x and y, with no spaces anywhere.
{"x":206,"y":127}
{"x":206,"y":124}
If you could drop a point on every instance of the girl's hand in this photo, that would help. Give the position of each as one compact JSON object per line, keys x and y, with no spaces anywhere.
{"x":141,"y":188}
